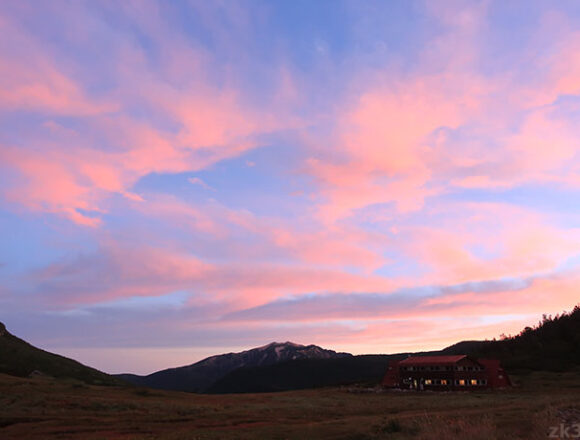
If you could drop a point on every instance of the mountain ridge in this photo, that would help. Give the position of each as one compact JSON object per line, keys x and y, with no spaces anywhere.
{"x":19,"y":358}
{"x":552,"y":345}
{"x":201,"y":375}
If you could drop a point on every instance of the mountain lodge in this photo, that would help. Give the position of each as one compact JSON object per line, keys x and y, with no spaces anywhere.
{"x":443,"y":373}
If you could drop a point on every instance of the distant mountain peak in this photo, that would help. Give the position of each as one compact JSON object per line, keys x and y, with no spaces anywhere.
{"x":201,"y":375}
{"x":278,"y":344}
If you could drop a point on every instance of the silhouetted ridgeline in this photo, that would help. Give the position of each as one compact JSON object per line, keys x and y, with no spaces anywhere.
{"x":304,"y":373}
{"x":199,"y":377}
{"x":552,"y":345}
{"x":19,"y":358}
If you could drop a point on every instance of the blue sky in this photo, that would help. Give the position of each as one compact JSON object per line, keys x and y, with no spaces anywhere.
{"x":179,"y":179}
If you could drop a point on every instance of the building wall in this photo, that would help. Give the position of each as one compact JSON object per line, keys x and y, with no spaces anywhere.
{"x":445,"y":379}
{"x":466,"y":374}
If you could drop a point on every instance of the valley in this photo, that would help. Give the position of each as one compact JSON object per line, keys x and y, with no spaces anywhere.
{"x":320,"y":394}
{"x":47,"y":408}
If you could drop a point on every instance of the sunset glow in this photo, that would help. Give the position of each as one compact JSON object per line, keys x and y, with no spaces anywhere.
{"x":180,"y":179}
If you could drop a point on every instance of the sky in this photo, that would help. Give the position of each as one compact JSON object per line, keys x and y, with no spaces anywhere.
{"x":181,"y":179}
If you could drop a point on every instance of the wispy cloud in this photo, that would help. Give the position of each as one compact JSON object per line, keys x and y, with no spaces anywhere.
{"x":198,"y":181}
{"x":321,"y":174}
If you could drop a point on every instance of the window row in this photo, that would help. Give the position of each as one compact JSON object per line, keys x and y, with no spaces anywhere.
{"x":442,"y":368}
{"x":437,"y":382}
{"x":458,"y":382}
{"x":473,"y":382}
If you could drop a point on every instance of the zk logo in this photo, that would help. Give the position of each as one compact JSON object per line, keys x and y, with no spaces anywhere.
{"x":564,"y":431}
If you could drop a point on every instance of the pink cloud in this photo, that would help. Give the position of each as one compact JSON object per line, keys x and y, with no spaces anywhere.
{"x":382,"y":149}
{"x":382,"y":160}
{"x":81,"y":168}
{"x":340,"y":247}
{"x":121,"y":270}
{"x":48,"y":185}
{"x":435,"y":333}
{"x":116,"y":272}
{"x":511,"y":242}
{"x":72,"y":174}
{"x":293,"y":242}
{"x":529,"y":300}
{"x":32,"y":80}
{"x":395,"y":139}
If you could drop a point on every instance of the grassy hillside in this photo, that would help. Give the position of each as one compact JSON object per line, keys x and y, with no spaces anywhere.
{"x":195,"y":378}
{"x":47,"y":409}
{"x":19,"y":358}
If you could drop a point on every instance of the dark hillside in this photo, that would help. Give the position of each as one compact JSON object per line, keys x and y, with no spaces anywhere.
{"x":19,"y":358}
{"x":305,"y":373}
{"x":200,"y":376}
{"x":551,"y":345}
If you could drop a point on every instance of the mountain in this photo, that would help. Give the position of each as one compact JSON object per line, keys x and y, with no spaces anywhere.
{"x":19,"y":358}
{"x":304,"y":373}
{"x":200,"y":376}
{"x":552,"y":345}
{"x":464,"y":347}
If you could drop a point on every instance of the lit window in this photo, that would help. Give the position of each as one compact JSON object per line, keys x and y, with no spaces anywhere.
{"x":428,"y":382}
{"x":473,"y":381}
{"x":443,"y":381}
{"x":462,"y":382}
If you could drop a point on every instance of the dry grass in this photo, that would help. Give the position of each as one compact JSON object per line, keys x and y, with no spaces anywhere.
{"x":44,"y":408}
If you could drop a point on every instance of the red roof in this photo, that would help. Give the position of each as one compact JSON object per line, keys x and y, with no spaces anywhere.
{"x":432,"y":360}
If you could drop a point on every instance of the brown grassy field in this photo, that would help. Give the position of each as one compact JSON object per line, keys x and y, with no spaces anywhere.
{"x":44,"y":408}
